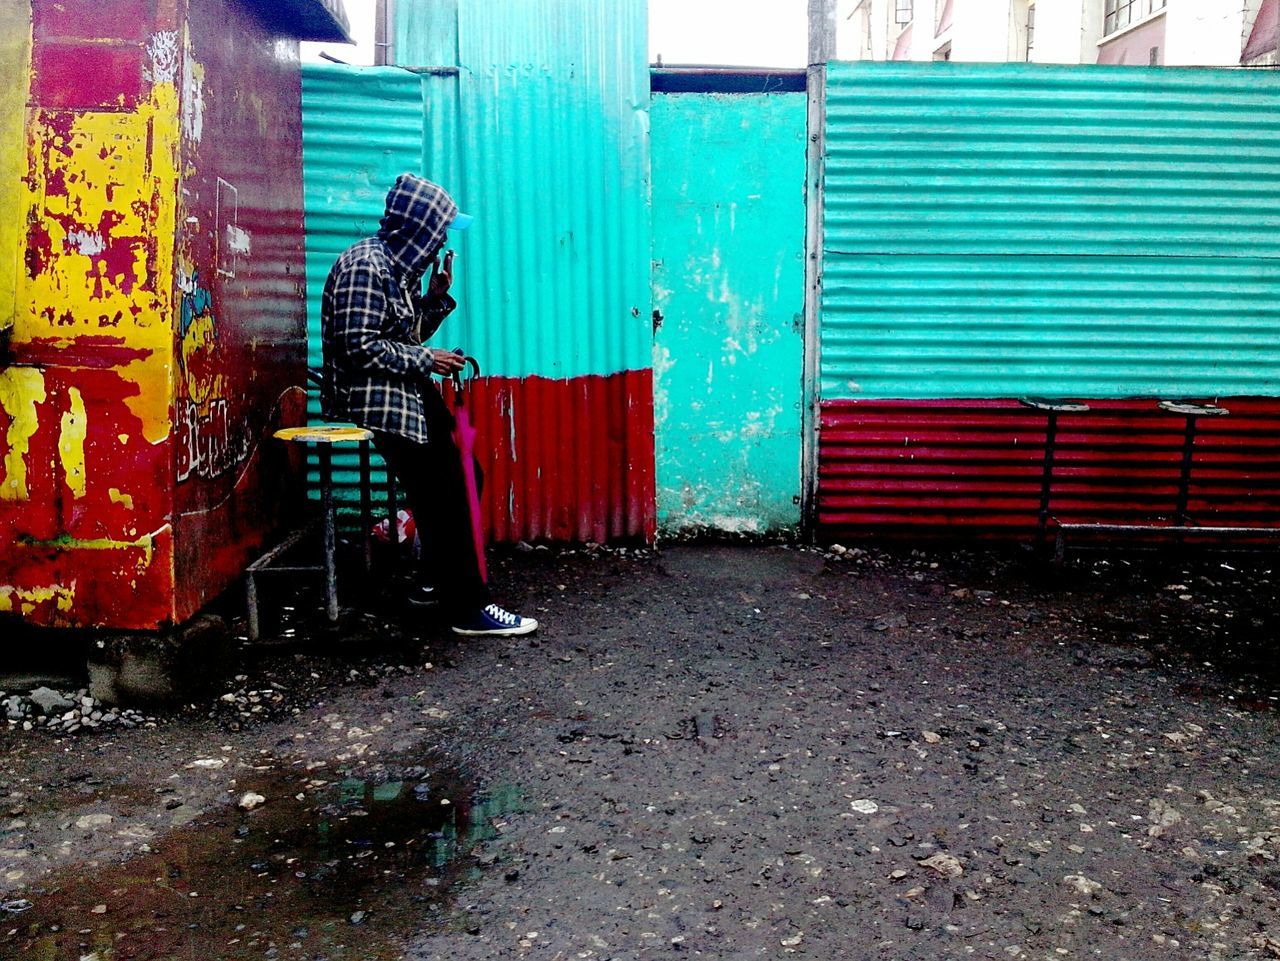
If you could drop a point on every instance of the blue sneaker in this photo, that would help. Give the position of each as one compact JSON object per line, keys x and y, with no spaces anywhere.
{"x":493,"y":621}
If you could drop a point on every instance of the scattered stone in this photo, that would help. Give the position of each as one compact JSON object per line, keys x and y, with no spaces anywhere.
{"x":887,"y":621}
{"x":931,"y":737}
{"x":864,"y":806}
{"x":1164,"y":816}
{"x":91,"y":821}
{"x":944,"y":864}
{"x":1083,"y":885}
{"x":250,"y":801}
{"x":50,"y":701}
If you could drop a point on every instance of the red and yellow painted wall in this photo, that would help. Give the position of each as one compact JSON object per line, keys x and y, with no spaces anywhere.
{"x":155,"y":323}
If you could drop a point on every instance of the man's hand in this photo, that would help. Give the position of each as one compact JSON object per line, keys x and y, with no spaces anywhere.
{"x":446,"y":362}
{"x":441,"y":276}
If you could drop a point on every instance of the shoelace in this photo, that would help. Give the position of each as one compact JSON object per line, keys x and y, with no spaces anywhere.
{"x":505,"y":618}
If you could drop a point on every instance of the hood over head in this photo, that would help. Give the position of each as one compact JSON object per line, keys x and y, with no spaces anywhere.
{"x":414,"y":225}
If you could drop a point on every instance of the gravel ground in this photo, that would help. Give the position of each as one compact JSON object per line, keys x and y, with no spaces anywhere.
{"x":729,"y":752}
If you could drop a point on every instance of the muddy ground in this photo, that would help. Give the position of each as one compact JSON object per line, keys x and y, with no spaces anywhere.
{"x":715,"y":751}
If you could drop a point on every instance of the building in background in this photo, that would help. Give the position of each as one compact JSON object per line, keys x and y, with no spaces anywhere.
{"x":1133,"y":32}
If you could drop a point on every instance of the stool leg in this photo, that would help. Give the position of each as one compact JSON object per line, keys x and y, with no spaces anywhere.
{"x":1046,"y":478}
{"x":366,"y":507}
{"x":1184,"y":475}
{"x":251,"y":602}
{"x":393,"y":513}
{"x":330,"y":532}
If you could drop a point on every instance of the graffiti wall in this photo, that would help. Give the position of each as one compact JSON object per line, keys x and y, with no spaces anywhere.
{"x":240,"y":334}
{"x":123,"y":394}
{"x":84,"y":409}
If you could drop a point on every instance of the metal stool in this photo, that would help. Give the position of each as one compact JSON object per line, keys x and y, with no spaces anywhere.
{"x":1052,"y":408}
{"x":1192,"y":412}
{"x":324,"y":437}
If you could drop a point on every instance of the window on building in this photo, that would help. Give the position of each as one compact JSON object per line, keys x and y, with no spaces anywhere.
{"x":1121,"y":13}
{"x":902,"y":12}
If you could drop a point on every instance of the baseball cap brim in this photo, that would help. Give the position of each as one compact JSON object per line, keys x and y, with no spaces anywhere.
{"x":462,"y":222}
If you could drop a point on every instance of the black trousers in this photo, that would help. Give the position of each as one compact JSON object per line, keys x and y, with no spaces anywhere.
{"x":431,"y":477}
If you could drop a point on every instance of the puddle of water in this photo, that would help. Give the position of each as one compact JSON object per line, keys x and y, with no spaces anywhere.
{"x":333,"y":871}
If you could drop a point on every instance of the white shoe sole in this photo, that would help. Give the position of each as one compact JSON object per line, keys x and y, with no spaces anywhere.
{"x":528,"y":627}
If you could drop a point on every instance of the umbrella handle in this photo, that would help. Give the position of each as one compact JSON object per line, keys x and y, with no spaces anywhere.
{"x":458,"y":382}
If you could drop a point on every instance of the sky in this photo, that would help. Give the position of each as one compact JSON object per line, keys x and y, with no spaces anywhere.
{"x":744,"y":33}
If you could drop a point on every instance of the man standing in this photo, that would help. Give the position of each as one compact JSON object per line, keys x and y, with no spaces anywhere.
{"x":377,"y":374}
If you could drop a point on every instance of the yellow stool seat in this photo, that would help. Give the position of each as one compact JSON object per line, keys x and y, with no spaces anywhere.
{"x":324,"y":434}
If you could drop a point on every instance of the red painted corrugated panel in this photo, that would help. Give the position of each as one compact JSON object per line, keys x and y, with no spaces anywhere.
{"x":566,"y":460}
{"x":975,"y":466}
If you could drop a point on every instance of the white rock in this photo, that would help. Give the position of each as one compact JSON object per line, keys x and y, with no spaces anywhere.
{"x":944,"y":864}
{"x":208,"y":763}
{"x":90,"y":821}
{"x":249,"y":801}
{"x":1164,"y":815}
{"x":1082,"y":884}
{"x":864,"y":806}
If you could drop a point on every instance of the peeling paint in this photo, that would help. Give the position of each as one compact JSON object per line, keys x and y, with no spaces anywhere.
{"x":162,"y":48}
{"x":192,"y":98}
{"x":21,"y":389}
{"x":71,"y":443}
{"x":14,"y":600}
{"x":146,"y":543}
{"x":102,"y":190}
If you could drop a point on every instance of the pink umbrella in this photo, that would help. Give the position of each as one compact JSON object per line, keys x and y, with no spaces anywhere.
{"x":464,"y":435}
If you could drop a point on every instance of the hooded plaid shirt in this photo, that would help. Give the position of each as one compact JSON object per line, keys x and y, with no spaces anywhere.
{"x":373,"y":320}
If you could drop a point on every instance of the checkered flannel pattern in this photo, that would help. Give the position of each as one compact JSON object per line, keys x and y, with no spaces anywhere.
{"x":375,"y":368}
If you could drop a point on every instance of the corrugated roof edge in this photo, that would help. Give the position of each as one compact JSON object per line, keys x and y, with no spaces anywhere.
{"x":319,"y":20}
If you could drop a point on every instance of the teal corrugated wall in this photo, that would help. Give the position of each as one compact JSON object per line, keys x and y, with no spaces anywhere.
{"x":728,"y":278}
{"x":361,"y":127}
{"x":544,"y":137}
{"x":1014,"y":229}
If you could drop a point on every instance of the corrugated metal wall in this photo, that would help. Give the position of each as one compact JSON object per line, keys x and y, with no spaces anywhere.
{"x":362,"y":127}
{"x":535,"y":115}
{"x":552,"y":141}
{"x":974,"y":466}
{"x":996,"y":232}
{"x":1019,"y":229}
{"x":728,"y":279}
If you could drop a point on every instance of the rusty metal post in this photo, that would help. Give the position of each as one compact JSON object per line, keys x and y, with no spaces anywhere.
{"x":822,"y":48}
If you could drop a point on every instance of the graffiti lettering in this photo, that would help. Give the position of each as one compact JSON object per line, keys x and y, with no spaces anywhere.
{"x":203,"y":442}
